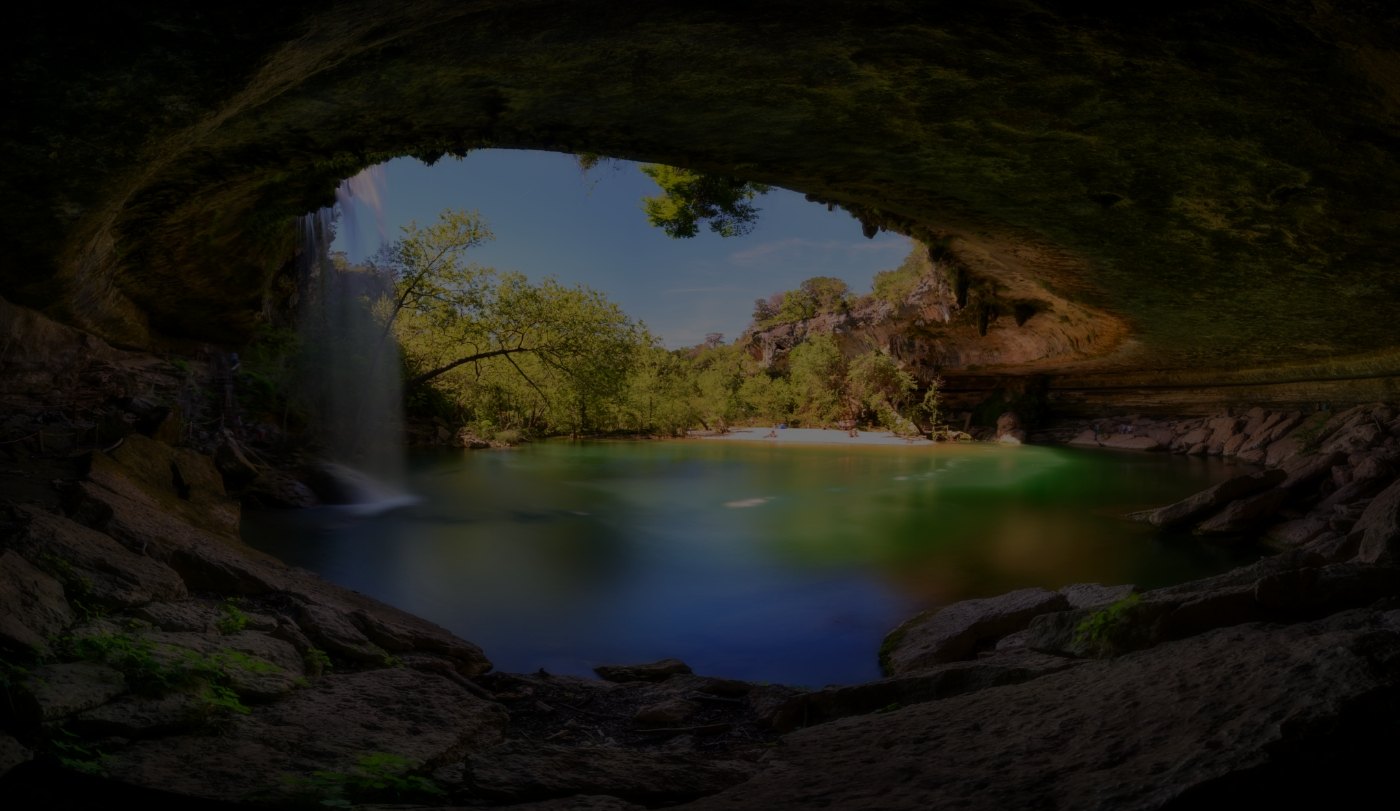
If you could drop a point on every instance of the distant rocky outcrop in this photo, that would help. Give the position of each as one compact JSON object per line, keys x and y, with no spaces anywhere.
{"x":947,"y":323}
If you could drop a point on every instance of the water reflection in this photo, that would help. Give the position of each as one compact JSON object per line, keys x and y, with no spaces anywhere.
{"x":778,"y":564}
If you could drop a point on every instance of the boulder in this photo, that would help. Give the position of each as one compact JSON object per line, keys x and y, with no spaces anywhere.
{"x":1130,"y":442}
{"x":666,"y":713}
{"x":55,"y":691}
{"x":94,"y":568}
{"x":959,"y":630}
{"x":32,"y":605}
{"x":1254,"y":420}
{"x":1191,"y":438}
{"x":420,"y":635}
{"x":276,"y":489}
{"x":1088,"y":437}
{"x":1221,"y":429}
{"x":1193,"y":508}
{"x":1295,"y":533}
{"x":1379,"y":528}
{"x":333,"y":632}
{"x":937,"y":683}
{"x":1009,"y":430}
{"x":1244,"y":515}
{"x":1304,"y":472}
{"x":179,"y":480}
{"x":12,"y":754}
{"x":653,"y":671}
{"x":1093,"y":595}
{"x":233,"y":464}
{"x":1353,"y":438}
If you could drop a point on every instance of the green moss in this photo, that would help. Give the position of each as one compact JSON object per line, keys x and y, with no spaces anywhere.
{"x":1111,"y":630}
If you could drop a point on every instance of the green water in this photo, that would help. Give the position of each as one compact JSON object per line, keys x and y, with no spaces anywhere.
{"x":783,"y":564}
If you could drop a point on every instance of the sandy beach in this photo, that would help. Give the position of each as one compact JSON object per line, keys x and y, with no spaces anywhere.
{"x":812,"y":436}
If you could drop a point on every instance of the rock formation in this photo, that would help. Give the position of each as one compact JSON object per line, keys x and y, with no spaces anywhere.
{"x":1201,"y":193}
{"x":1171,"y":210}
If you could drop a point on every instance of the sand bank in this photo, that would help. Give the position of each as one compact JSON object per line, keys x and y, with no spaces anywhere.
{"x":811,"y":436}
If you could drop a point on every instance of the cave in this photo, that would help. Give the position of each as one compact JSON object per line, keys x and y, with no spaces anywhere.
{"x":1190,"y":208}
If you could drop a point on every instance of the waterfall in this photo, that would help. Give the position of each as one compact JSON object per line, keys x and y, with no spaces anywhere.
{"x":353,"y":378}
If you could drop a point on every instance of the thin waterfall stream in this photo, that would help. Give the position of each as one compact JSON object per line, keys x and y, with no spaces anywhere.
{"x":352,"y":363}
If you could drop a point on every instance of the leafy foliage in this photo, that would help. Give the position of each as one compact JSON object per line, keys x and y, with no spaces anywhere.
{"x":817,"y":373}
{"x":689,"y":198}
{"x":376,"y":776}
{"x":897,"y":285}
{"x":231,"y":619}
{"x":511,"y":354}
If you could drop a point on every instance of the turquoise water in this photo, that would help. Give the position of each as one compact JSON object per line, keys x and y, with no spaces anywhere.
{"x":781,"y":564}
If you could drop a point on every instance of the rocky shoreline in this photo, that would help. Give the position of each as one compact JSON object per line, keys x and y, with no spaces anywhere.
{"x":150,"y":656}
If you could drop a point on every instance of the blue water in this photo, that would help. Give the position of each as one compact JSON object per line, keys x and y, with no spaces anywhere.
{"x":780,"y":564}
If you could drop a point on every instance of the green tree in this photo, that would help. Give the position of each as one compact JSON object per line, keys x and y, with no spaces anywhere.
{"x":876,"y":385}
{"x":719,"y":373}
{"x":428,"y":267}
{"x":827,"y":294}
{"x":689,"y":198}
{"x":661,"y":393}
{"x":768,"y":399}
{"x":796,"y":306}
{"x":817,"y":375}
{"x":510,"y":352}
{"x":896,"y":286}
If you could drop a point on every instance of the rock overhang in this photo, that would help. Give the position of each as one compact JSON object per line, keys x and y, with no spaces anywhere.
{"x":1214,"y":181}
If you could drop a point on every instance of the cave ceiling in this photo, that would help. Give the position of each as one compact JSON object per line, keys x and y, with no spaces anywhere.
{"x":1215,"y":184}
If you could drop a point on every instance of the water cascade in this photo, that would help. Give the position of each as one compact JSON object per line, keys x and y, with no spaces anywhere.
{"x":352,"y":366}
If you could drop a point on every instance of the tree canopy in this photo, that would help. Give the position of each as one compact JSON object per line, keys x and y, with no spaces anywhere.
{"x":689,"y":198}
{"x":510,"y":350}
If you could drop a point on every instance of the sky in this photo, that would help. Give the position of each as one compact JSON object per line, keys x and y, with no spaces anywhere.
{"x":549,"y":218}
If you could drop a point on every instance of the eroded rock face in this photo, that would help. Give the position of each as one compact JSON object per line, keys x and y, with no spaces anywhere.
{"x":161,"y":177}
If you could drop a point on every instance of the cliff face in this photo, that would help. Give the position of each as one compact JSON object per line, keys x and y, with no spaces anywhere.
{"x":1212,"y":184}
{"x":946,"y":324}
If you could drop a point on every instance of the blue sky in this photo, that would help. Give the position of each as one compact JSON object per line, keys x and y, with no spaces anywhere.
{"x":549,"y":218}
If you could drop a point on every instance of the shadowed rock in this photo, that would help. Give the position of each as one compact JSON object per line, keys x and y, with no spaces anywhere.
{"x":32,"y":606}
{"x":1379,"y":528}
{"x":96,"y":568}
{"x":1132,"y":734}
{"x":423,"y":719}
{"x":955,"y":632}
{"x":521,"y":771}
{"x":653,"y":671}
{"x":1203,"y":503}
